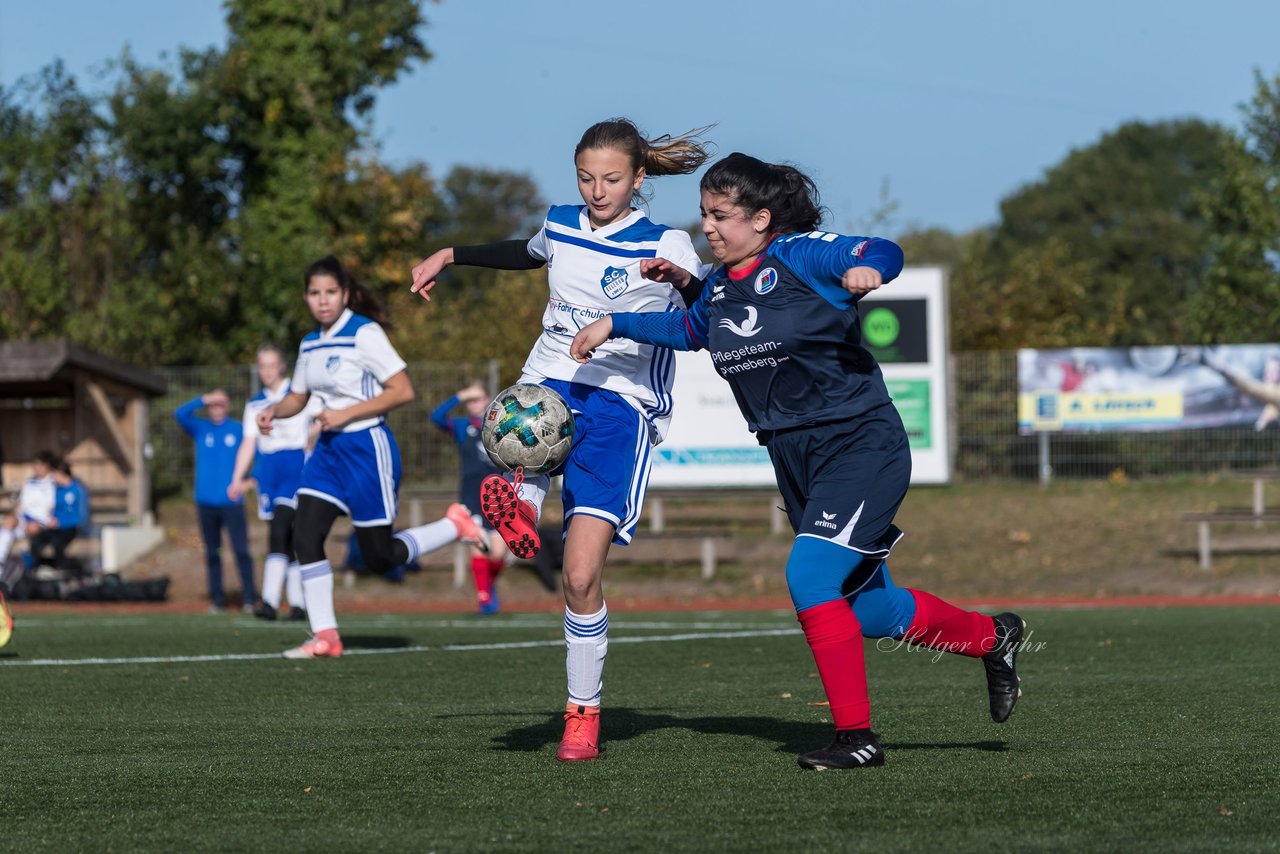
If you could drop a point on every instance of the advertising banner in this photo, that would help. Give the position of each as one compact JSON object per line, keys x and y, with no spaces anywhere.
{"x":1148,"y":388}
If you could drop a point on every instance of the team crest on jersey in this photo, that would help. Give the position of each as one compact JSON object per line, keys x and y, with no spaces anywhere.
{"x":766,"y":281}
{"x":332,"y":363}
{"x":614,"y":282}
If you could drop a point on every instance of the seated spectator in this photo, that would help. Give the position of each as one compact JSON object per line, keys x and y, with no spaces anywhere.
{"x":34,"y":510}
{"x":70,"y":518}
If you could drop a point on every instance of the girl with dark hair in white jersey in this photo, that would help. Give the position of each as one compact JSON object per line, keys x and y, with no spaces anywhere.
{"x":349,"y":363}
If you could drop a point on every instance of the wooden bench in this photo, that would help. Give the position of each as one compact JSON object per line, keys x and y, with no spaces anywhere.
{"x":1259,"y":477}
{"x":107,"y":506}
{"x":1204,"y":520}
{"x":643,"y":548}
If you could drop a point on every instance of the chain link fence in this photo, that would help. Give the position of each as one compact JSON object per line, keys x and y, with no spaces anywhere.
{"x":988,"y":446}
{"x":987,"y":443}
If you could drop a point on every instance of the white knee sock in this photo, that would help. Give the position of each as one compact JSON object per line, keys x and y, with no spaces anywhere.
{"x":317,"y":589}
{"x":428,"y":538}
{"x":534,"y":490}
{"x":586,"y":637}
{"x":273,"y":578}
{"x":293,"y":585}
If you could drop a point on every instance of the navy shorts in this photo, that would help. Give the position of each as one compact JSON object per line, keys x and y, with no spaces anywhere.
{"x":844,"y":482}
{"x":278,"y":475}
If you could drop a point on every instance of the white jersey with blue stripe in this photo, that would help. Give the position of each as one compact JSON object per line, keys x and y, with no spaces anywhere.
{"x":37,"y":499}
{"x":347,"y":365}
{"x":594,"y":273}
{"x":287,"y":434}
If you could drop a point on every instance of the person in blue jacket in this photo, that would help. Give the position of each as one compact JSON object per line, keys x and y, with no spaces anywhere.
{"x":779,"y":318}
{"x":217,"y":443}
{"x":70,"y":517}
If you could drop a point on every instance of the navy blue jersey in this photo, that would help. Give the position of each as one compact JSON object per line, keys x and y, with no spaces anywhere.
{"x":475,"y":462}
{"x":784,"y":333}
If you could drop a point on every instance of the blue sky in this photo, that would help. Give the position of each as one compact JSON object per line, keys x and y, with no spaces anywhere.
{"x":954,"y":105}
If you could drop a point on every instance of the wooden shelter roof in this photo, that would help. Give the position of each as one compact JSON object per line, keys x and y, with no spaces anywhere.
{"x":48,"y":368}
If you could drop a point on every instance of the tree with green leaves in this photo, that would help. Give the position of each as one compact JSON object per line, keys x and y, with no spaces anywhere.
{"x":169,"y":221}
{"x":1106,"y":250}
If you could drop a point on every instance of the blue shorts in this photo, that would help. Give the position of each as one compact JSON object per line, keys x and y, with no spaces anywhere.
{"x":278,"y":475}
{"x":357,"y":472}
{"x":845,"y":482}
{"x":607,"y":470}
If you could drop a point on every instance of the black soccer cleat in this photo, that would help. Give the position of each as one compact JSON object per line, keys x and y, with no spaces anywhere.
{"x":853,"y":748}
{"x":1002,"y":675}
{"x":263,"y":611}
{"x":297,"y":614}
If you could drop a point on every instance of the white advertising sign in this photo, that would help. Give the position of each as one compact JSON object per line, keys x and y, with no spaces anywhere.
{"x":904,"y":326}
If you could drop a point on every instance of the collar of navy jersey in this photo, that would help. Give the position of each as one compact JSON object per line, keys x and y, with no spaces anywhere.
{"x":739,"y":275}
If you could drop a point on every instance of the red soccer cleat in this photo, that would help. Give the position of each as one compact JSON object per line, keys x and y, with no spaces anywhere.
{"x":515,"y":519}
{"x":581,"y":739}
{"x":326,"y":644}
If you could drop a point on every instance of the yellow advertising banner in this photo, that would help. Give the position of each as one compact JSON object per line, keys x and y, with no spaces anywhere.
{"x":1053,"y":410}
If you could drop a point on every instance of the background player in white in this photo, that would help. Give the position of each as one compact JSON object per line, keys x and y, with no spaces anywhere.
{"x":350,"y":365}
{"x":621,"y":402}
{"x":276,"y":461}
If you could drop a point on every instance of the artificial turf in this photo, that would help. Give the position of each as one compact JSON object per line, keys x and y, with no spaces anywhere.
{"x":1138,"y":730}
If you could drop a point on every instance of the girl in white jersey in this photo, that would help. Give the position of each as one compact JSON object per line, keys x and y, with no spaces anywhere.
{"x":355,"y":469}
{"x":276,"y":462}
{"x":621,"y":402}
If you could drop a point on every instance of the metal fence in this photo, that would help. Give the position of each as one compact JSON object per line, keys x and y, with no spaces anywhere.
{"x":988,"y":446}
{"x":987,"y":443}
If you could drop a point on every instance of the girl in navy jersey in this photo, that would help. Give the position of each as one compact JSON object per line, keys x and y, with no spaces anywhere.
{"x":355,"y":468}
{"x":621,"y":402}
{"x":780,"y":320}
{"x":476,"y":466}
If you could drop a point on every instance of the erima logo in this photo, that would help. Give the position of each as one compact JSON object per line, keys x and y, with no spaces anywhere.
{"x":766,"y":281}
{"x":858,"y":248}
{"x":826,"y":522}
{"x":717,"y":292}
{"x":332,"y":363}
{"x":614,"y":282}
{"x":748,"y":327}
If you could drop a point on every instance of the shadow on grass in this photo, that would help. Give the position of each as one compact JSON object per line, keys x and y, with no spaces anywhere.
{"x":788,"y":736}
{"x":375,"y":642}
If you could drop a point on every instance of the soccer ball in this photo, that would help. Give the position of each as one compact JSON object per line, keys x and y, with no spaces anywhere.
{"x":527,"y":425}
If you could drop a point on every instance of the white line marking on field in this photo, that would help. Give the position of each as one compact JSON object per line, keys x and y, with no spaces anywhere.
{"x":486,"y":625}
{"x":452,"y":647}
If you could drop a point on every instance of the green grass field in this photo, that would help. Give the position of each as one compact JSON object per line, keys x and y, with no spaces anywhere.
{"x":1138,"y":730}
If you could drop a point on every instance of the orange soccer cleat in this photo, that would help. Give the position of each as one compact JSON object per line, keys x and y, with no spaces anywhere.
{"x":325,"y":644}
{"x":468,"y":530}
{"x":581,"y":734}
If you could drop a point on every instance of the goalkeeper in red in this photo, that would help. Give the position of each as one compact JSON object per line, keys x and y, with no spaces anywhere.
{"x":780,"y":320}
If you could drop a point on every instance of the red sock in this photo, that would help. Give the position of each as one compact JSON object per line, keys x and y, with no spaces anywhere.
{"x":942,"y":626}
{"x":495,"y":567}
{"x":835,"y":638}
{"x":483,"y":577}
